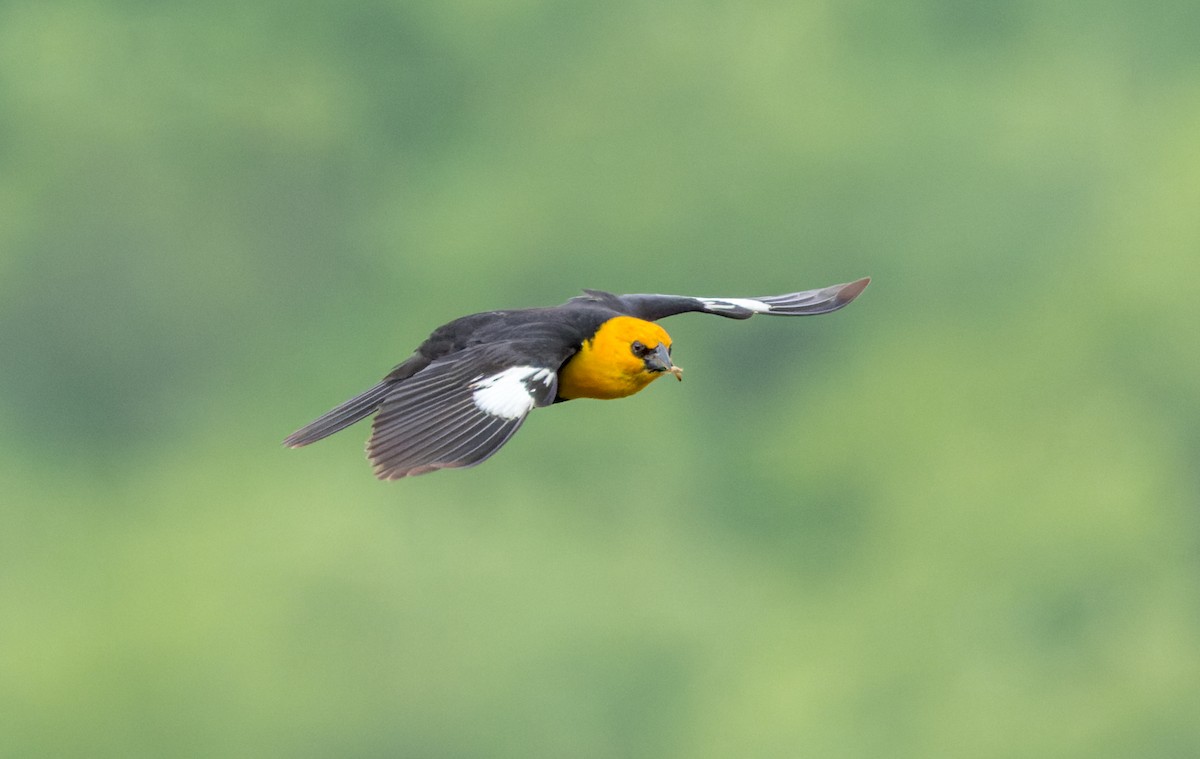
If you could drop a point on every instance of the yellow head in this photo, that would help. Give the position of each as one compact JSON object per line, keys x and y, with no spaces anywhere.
{"x":624,"y":356}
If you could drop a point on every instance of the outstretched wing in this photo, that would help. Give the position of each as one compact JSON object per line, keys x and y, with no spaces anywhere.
{"x":806,"y":303}
{"x":459,"y":410}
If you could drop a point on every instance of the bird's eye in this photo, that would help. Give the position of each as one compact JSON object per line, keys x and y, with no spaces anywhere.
{"x":639,"y":348}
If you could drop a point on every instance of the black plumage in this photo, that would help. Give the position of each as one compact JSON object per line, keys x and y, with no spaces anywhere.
{"x":468,"y":387}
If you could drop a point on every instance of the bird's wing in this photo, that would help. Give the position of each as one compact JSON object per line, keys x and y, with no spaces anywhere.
{"x":806,"y":303}
{"x":459,"y":410}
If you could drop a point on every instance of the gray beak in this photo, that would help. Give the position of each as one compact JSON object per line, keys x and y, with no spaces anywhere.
{"x":660,"y":361}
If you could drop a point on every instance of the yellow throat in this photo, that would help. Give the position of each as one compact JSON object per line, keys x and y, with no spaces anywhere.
{"x":605,"y":366}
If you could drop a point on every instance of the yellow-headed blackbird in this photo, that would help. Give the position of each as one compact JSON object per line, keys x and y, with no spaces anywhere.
{"x":468,"y":388}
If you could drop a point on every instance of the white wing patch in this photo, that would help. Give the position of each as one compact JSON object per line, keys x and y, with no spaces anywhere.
{"x":507,"y":394}
{"x":726,"y":304}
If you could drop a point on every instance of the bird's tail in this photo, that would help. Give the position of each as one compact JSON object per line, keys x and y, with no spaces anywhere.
{"x":358,"y":407}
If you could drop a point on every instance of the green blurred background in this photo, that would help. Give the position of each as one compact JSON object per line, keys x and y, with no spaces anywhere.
{"x":959,"y":518}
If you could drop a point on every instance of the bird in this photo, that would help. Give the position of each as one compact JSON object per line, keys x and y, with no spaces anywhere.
{"x":470,"y":385}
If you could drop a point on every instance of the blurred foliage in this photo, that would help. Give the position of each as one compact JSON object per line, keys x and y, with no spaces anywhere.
{"x":959,"y":518}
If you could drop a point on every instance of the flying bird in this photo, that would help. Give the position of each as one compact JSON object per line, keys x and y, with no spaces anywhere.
{"x":470,"y":385}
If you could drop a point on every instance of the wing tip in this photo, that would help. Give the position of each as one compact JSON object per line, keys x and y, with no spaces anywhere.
{"x":852,"y":290}
{"x":391,"y":474}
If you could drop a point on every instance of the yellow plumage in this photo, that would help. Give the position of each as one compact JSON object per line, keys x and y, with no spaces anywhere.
{"x":604,"y":367}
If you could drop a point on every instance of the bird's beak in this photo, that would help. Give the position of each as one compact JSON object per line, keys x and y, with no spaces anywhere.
{"x":660,"y":361}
